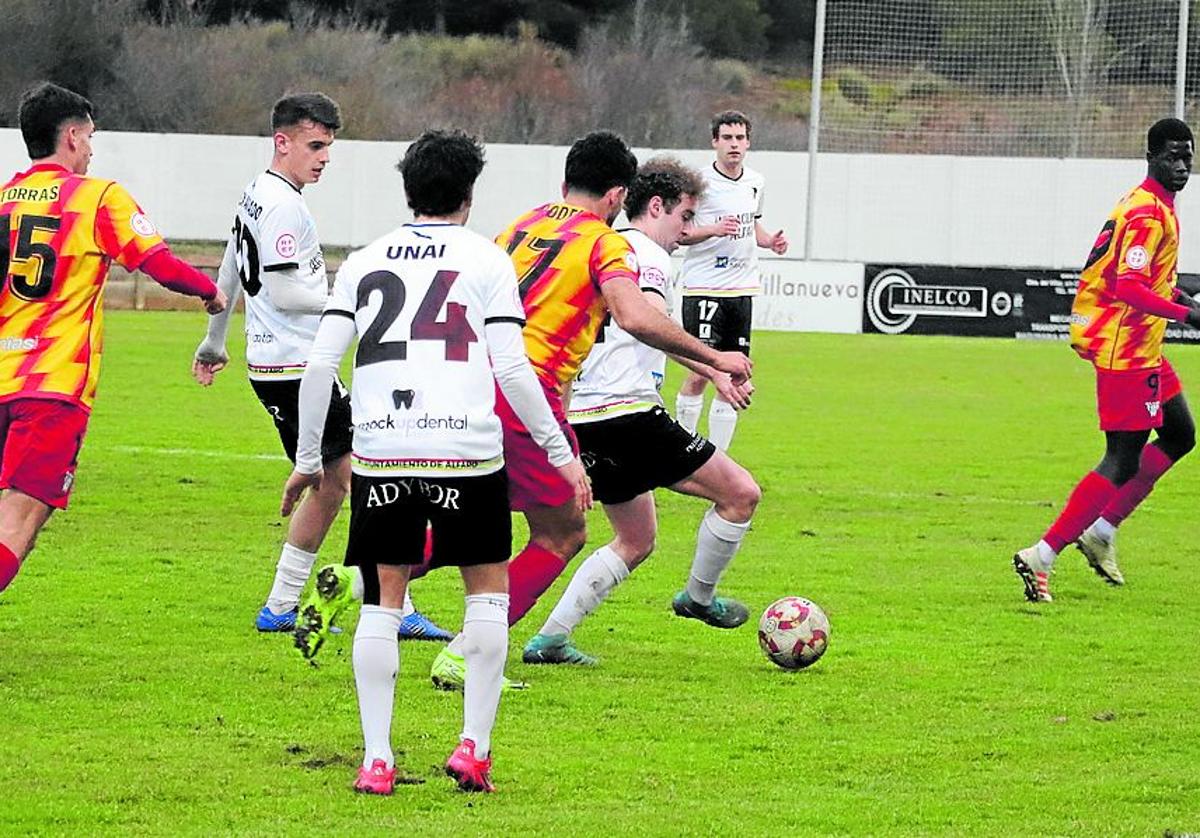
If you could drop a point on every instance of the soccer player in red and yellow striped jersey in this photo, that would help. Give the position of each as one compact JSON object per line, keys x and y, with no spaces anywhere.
{"x":1126,"y":295}
{"x":573,"y":271}
{"x":59,"y":232}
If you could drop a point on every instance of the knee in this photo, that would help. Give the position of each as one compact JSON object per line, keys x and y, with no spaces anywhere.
{"x":565,"y":543}
{"x":634,"y":551}
{"x":742,"y":500}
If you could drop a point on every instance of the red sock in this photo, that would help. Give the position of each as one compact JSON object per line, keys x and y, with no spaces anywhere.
{"x":426,"y":565}
{"x":1091,"y":495}
{"x":9,"y":565}
{"x":1153,"y":465}
{"x":529,"y":575}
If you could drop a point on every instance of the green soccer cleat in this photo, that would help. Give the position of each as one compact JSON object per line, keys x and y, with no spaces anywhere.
{"x":722,"y":612}
{"x":449,"y":672}
{"x":1102,"y":556}
{"x":328,"y":598}
{"x":555,"y":648}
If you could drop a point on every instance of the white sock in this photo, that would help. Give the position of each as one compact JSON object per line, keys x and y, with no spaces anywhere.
{"x":1103,"y":530}
{"x":722,"y":419}
{"x":1046,"y":554}
{"x":291,"y":575}
{"x":596,"y":577}
{"x":408,"y":607}
{"x":457,"y":645}
{"x":687,"y":410}
{"x":485,"y":635}
{"x":716,"y":543}
{"x":376,"y":661}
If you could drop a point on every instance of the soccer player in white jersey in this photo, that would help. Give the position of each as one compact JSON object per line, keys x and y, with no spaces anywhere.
{"x":437,"y":314}
{"x":274,"y":255}
{"x":720,"y":274}
{"x":630,"y":445}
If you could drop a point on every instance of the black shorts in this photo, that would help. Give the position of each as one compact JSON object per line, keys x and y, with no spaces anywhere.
{"x":469,"y":516}
{"x":628,"y":455}
{"x":282,"y":401}
{"x":720,"y":322}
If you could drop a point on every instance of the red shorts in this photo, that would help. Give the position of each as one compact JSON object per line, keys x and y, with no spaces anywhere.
{"x":1132,"y":400}
{"x":39,"y":447}
{"x":532,"y":481}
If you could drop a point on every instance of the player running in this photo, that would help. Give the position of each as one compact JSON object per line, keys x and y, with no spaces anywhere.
{"x":574,"y":271}
{"x":631,"y":446}
{"x":436,"y":313}
{"x":61,"y":231}
{"x":1126,"y":295}
{"x":274,"y":255}
{"x":720,"y":274}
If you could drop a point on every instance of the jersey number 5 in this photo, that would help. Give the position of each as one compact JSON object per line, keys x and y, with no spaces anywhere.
{"x":24,"y":286}
{"x":455,"y":331}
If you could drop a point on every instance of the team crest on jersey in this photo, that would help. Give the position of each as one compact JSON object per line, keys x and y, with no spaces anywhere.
{"x":285,"y":245}
{"x":142,"y":225}
{"x":1152,"y":409}
{"x":1137,"y":257}
{"x":631,"y":261}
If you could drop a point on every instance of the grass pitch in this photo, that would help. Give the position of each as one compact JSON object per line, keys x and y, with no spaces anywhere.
{"x":900,"y":474}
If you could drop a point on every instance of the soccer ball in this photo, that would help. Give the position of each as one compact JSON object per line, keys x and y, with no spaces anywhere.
{"x":793,"y":632}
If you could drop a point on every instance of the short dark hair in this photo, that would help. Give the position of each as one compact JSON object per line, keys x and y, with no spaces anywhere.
{"x":43,"y":110}
{"x":439,"y":170}
{"x":665,"y":177}
{"x":305,"y":107}
{"x":599,"y":161}
{"x":729,"y":118}
{"x":1164,"y":131}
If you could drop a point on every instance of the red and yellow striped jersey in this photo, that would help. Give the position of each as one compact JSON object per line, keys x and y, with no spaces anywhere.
{"x":1140,"y":241}
{"x":563,"y":254}
{"x":59,"y":232}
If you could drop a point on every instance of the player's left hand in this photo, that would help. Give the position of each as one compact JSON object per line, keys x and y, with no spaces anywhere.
{"x":779,"y":243}
{"x":217,"y":304}
{"x":738,"y":366}
{"x":294,"y":488}
{"x":209,"y":361}
{"x":735,"y":394}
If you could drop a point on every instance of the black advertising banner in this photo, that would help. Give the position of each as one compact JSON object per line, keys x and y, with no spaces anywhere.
{"x":983,"y":302}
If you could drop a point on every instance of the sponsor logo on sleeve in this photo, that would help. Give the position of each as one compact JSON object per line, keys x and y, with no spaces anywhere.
{"x":654,"y":278}
{"x":1137,"y":257}
{"x":285,"y":245}
{"x":142,"y":225}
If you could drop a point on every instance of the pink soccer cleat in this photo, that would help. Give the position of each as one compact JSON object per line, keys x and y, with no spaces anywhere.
{"x":378,"y":779}
{"x":470,"y":773}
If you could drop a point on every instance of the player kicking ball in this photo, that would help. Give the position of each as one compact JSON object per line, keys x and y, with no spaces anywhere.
{"x":436,"y":312}
{"x":1126,"y":295}
{"x":631,"y":446}
{"x":274,"y":255}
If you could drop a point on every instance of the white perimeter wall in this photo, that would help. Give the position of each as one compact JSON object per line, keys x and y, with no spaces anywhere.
{"x":1014,"y":212}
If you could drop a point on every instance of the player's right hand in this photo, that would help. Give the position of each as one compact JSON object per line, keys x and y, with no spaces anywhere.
{"x":209,"y":361}
{"x":294,"y":488}
{"x":736,"y":395}
{"x":575,"y":474}
{"x":738,"y":366}
{"x":726,"y":226}
{"x":217,"y":304}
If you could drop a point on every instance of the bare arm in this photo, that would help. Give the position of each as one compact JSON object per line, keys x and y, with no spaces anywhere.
{"x":635,"y":315}
{"x":776,"y":242}
{"x":725,"y":226}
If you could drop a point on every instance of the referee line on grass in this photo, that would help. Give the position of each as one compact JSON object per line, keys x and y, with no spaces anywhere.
{"x":191,"y":452}
{"x":826,"y":494}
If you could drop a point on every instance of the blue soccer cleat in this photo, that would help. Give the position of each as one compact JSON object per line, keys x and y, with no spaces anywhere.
{"x":267,"y":620}
{"x":416,"y":626}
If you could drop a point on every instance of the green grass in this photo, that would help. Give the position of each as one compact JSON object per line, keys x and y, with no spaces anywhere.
{"x":899,"y":476}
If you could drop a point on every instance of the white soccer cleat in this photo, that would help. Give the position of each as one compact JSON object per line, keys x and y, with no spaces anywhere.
{"x":1102,"y":556}
{"x":1035,"y":573}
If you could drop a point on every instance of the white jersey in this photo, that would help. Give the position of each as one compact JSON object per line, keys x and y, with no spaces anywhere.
{"x":725,"y":266}
{"x":274,"y":231}
{"x":621,"y":374}
{"x":423,"y":395}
